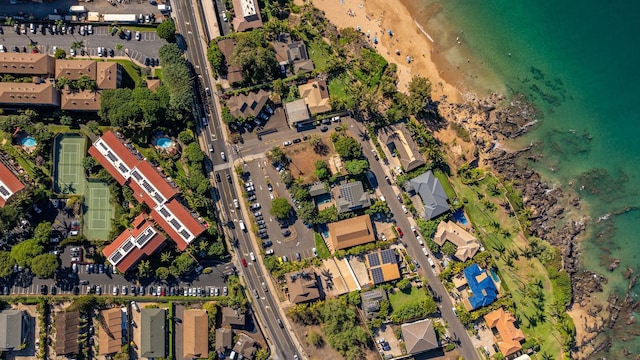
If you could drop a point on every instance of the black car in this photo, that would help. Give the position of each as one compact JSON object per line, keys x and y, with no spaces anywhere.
{"x":286,"y":232}
{"x":284,"y":225}
{"x":218,"y":177}
{"x":324,"y":129}
{"x":112,"y":53}
{"x":146,"y":61}
{"x":296,"y":141}
{"x":386,"y":178}
{"x":264,"y":236}
{"x":229,"y":178}
{"x":54,"y":290}
{"x":44,"y":289}
{"x":76,"y":290}
{"x":267,"y":243}
{"x":16,"y":49}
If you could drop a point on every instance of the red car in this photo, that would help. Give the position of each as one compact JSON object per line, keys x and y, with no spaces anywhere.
{"x":400,"y":233}
{"x":244,"y":262}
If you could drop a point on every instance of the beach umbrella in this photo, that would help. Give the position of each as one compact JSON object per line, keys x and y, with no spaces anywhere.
{"x":375,"y":40}
{"x":390,"y":32}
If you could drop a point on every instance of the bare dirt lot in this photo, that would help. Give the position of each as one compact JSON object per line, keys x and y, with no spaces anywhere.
{"x":303,"y":158}
{"x":325,"y":351}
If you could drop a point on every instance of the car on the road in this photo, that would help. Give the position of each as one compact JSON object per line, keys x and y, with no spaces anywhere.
{"x":419,"y":238}
{"x":244,"y":262}
{"x":229,"y":178}
{"x":286,"y":232}
{"x":223,"y":156}
{"x":236,"y":204}
{"x":415,"y":262}
{"x":280,"y":324}
{"x":218,"y":177}
{"x":386,"y":178}
{"x":255,"y":294}
{"x":400,"y":233}
{"x":224,"y":16}
{"x":252,"y":256}
{"x":324,"y":129}
{"x":138,"y":36}
{"x":404,"y":209}
{"x":286,"y":143}
{"x":269,"y":187}
{"x":210,"y":148}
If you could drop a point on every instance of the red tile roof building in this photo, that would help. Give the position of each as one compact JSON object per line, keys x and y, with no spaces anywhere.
{"x":134,"y":244}
{"x":9,"y":184}
{"x":149,"y":187}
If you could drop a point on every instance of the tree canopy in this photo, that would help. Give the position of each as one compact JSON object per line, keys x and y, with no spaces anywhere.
{"x":167,"y":30}
{"x":45,"y":266}
{"x":215,"y":57}
{"x":177,"y":76}
{"x":348,"y":148}
{"x":280,"y":208}
{"x":356,"y":167}
{"x":6,"y":264}
{"x":414,"y":310}
{"x":255,"y":57}
{"x":322,"y":170}
{"x":24,"y":252}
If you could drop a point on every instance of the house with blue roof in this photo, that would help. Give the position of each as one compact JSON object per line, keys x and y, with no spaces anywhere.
{"x":483,"y":289}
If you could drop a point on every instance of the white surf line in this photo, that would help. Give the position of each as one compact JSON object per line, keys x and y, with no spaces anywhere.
{"x":424,"y":32}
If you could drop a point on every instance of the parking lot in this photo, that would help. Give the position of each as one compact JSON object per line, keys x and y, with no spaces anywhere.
{"x":47,"y":43}
{"x":42,"y":10}
{"x":300,"y":239}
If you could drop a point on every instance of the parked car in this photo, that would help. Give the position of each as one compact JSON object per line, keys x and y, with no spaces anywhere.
{"x":138,"y":36}
{"x":400,"y":233}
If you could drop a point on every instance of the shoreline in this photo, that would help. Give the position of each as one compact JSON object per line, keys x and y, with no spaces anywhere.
{"x":559,"y":215}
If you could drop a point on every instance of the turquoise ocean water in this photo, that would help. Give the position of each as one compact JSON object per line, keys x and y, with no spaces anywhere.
{"x":578,"y":61}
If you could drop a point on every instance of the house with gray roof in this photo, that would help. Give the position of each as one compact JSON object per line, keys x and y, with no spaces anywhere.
{"x":432,"y":194}
{"x":351,"y":196}
{"x":317,"y":189}
{"x":400,"y":143}
{"x":224,"y":341}
{"x":371,"y":302}
{"x":245,"y":346}
{"x":419,"y":336}
{"x":298,"y":115}
{"x":153,"y":332}
{"x":14,"y":329}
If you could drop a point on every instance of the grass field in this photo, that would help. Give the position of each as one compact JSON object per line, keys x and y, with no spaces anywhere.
{"x":338,"y":86}
{"x":98,"y":211}
{"x":319,"y":52}
{"x":399,"y":298}
{"x":133,"y":72}
{"x":68,"y":172}
{"x":321,"y":247}
{"x":444,"y":180}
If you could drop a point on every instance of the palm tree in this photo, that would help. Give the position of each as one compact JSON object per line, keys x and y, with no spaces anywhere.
{"x":62,"y":82}
{"x":166,"y":257}
{"x":119,"y":47}
{"x":77,"y":45}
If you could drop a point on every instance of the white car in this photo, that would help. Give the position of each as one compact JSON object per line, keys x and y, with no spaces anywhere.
{"x":413,"y":229}
{"x":115,"y":290}
{"x":272,"y":196}
{"x":90,"y":30}
{"x":236,"y":203}
{"x":419,"y":238}
{"x":269,"y":252}
{"x":138,"y":35}
{"x":404,"y":208}
{"x":224,"y":16}
{"x":286,"y":143}
{"x":223,"y":156}
{"x":252,"y":256}
{"x":72,"y":52}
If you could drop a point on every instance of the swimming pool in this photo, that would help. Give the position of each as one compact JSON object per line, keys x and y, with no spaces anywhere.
{"x":164,"y":142}
{"x":459,"y":217}
{"x":29,"y":141}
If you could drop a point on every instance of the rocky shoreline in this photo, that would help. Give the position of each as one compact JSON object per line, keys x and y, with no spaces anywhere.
{"x":555,"y":212}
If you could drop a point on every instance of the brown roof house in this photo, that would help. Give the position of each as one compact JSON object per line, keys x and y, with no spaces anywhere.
{"x":302,"y":286}
{"x":224,"y":341}
{"x":247,"y":15}
{"x":232,"y":317}
{"x":466,"y":244}
{"x":74,"y":69}
{"x":109,"y":75}
{"x":382,"y":266}
{"x":84,"y":100}
{"x":245,"y":346}
{"x":419,"y":336}
{"x":316,"y":95}
{"x":510,"y":335}
{"x":110,"y":334}
{"x":399,"y":141}
{"x":241,"y":106}
{"x":290,"y":52}
{"x":350,"y":232}
{"x":234,"y":73}
{"x":196,"y":334}
{"x":42,"y":94}
{"x":67,"y":329}
{"x":27,"y":64}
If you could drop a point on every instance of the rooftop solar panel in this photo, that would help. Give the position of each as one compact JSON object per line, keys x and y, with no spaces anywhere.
{"x":377,"y":276}
{"x":111,"y":156}
{"x":373,"y":259}
{"x":136,"y":175}
{"x":144,"y":238}
{"x":127,"y":246}
{"x":122,"y":168}
{"x":4,"y":191}
{"x":164,"y":212}
{"x":388,"y":256}
{"x":116,"y":257}
{"x":185,"y":234}
{"x":103,"y":145}
{"x":158,"y":198}
{"x":175,"y":224}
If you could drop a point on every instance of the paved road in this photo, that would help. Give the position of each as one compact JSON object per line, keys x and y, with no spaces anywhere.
{"x":456,"y":329}
{"x":267,"y":308}
{"x":148,"y":46}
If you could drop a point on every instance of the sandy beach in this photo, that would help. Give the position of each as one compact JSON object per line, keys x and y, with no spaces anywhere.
{"x":377,"y":17}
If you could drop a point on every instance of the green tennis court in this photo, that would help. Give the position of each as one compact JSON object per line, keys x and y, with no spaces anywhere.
{"x":69,"y":150}
{"x":98,"y":211}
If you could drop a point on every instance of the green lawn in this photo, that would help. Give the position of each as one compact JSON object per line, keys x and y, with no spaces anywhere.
{"x":321,"y":247}
{"x":338,"y":86}
{"x":132,"y":72}
{"x":444,"y":180}
{"x":319,"y":52}
{"x":157,"y":73}
{"x":399,"y":298}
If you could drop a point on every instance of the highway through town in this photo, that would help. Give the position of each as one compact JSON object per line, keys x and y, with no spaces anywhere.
{"x":212,"y":135}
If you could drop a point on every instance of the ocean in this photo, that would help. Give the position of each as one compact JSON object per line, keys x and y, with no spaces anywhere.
{"x":578,"y":62}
